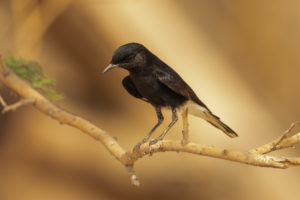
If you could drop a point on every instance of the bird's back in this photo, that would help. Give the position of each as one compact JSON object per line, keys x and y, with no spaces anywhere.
{"x":170,"y":78}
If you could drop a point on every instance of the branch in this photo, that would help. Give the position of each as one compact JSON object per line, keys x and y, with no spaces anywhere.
{"x":253,"y":157}
{"x":2,"y":102}
{"x":236,"y":156}
{"x":16,"y":105}
{"x":282,"y":142}
{"x":45,"y":106}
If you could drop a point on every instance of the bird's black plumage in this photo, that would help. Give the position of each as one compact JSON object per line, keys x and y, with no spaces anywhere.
{"x":130,"y":87}
{"x":151,"y":80}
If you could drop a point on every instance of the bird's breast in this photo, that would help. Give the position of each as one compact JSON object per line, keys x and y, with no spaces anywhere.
{"x":147,"y":85}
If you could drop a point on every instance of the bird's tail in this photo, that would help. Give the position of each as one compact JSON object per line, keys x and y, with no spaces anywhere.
{"x":215,"y":121}
{"x":207,"y":115}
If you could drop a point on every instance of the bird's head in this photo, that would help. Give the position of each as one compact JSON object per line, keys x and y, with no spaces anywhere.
{"x":128,"y":56}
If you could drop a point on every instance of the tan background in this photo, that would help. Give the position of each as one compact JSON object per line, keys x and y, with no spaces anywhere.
{"x":240,"y":57}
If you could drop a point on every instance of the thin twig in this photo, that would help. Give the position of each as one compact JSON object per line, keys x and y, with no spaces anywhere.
{"x":18,"y":104}
{"x":2,"y":102}
{"x":132,"y":176}
{"x":279,"y":143}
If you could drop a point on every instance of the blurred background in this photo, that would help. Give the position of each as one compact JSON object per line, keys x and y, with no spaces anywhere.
{"x":240,"y":57}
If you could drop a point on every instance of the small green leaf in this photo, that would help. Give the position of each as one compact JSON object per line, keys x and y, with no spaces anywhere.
{"x":32,"y":72}
{"x":37,"y":84}
{"x":53,"y":96}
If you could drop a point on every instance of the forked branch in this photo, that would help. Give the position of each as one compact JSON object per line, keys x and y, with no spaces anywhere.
{"x":254,"y":157}
{"x":16,"y":105}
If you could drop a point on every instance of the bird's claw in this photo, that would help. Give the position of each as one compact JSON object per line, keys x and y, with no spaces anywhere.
{"x":184,"y":142}
{"x":136,"y":149}
{"x":153,"y":141}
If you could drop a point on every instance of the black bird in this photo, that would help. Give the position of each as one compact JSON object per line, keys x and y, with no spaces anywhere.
{"x":153,"y":81}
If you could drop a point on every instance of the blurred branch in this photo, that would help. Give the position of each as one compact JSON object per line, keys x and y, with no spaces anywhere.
{"x":16,"y":105}
{"x":254,"y":157}
{"x":132,"y":176}
{"x":2,"y":102}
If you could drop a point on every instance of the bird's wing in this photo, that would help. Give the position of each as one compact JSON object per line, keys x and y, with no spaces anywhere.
{"x":172,"y":80}
{"x":131,"y":89}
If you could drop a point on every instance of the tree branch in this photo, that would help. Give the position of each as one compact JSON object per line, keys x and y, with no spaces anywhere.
{"x":16,"y":105}
{"x":282,"y":142}
{"x":253,"y":157}
{"x":2,"y":102}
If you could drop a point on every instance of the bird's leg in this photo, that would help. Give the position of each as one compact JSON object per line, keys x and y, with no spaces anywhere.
{"x":160,"y":120}
{"x":174,"y":120}
{"x":185,"y":131}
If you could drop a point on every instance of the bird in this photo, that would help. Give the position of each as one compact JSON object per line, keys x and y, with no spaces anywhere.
{"x":153,"y":81}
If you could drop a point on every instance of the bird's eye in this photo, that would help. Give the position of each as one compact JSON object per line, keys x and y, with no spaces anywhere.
{"x":122,"y":57}
{"x":127,"y":58}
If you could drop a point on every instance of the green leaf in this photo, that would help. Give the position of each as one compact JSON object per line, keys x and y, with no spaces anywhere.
{"x":53,"y":96}
{"x":32,"y":72}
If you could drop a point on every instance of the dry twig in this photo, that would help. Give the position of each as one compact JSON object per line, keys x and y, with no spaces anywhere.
{"x":16,"y":105}
{"x":282,"y":142}
{"x":2,"y":102}
{"x":253,"y":157}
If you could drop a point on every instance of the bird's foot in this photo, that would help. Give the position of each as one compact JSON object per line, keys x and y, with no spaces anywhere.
{"x":136,"y":149}
{"x":184,"y":142}
{"x":152,"y":142}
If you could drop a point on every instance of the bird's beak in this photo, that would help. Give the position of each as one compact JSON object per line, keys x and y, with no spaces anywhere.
{"x":109,"y":67}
